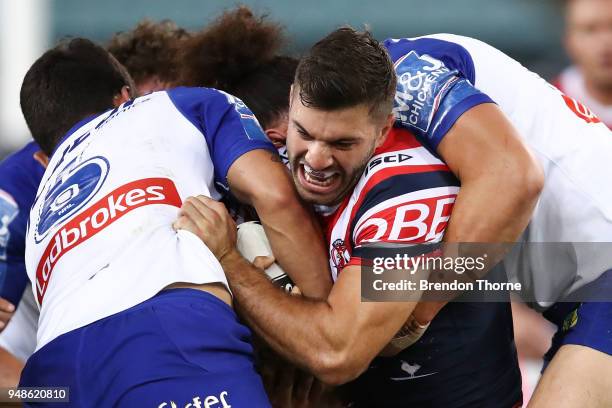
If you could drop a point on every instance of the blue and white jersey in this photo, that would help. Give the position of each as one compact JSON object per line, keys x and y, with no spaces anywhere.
{"x":100,"y":238}
{"x":442,"y":76}
{"x":20,"y":175}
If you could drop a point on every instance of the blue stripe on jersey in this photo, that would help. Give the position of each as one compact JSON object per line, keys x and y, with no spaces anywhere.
{"x":434,"y":86}
{"x":229,"y":127}
{"x":20,"y":175}
{"x":398,"y":185}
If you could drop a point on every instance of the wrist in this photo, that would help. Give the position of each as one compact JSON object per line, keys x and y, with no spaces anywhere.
{"x":230,"y":257}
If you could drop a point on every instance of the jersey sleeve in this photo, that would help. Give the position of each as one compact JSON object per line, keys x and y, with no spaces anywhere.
{"x":13,"y":276}
{"x":228,"y":125}
{"x":19,"y":336}
{"x":434,"y":86}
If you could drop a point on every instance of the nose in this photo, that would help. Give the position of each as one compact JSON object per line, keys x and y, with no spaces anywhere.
{"x":319,"y":156}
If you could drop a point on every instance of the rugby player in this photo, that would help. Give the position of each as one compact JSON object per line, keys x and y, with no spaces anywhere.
{"x":339,"y":118}
{"x":132,"y":312}
{"x":20,"y":174}
{"x":437,"y":75}
{"x":148,"y":51}
{"x":473,"y":86}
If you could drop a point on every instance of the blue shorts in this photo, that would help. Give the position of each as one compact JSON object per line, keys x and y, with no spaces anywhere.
{"x":177,"y":348}
{"x":586,"y":324}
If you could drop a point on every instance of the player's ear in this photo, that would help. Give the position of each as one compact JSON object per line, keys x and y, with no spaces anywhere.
{"x":42,"y":158}
{"x":123,"y":96}
{"x":277,"y":133}
{"x":384,"y":131}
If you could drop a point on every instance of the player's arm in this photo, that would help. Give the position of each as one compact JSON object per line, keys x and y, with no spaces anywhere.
{"x":335,"y":339}
{"x":246,"y":163}
{"x":494,"y":166}
{"x":500,"y":184}
{"x":259,"y":178}
{"x":10,"y":369}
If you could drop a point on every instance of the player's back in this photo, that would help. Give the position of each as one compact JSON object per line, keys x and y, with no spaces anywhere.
{"x":101,"y":237}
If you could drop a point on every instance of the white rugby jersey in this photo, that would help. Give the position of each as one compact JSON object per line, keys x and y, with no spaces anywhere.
{"x":441,"y":76}
{"x":100,"y":237}
{"x":405,"y":196}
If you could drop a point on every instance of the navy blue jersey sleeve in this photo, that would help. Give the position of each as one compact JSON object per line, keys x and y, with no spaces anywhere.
{"x":228,"y":125}
{"x":434,"y":86}
{"x":20,"y":175}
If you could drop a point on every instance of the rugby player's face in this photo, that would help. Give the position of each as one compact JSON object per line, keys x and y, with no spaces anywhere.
{"x":589,"y":39}
{"x":328,"y":150}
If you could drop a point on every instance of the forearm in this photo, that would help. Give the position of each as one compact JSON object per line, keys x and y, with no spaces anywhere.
{"x":335,"y":339}
{"x":297,"y":246}
{"x":10,"y":369}
{"x":272,"y":314}
{"x":259,"y":179}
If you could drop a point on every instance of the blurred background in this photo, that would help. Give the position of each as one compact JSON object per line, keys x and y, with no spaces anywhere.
{"x":529,"y":31}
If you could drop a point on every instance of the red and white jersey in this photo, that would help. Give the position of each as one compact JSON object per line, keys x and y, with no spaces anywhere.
{"x":442,"y":76}
{"x":100,"y":237}
{"x":571,"y":83}
{"x":405,"y":196}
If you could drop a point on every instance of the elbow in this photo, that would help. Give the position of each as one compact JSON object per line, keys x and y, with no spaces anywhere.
{"x":529,"y":180}
{"x":337,"y":368}
{"x":277,"y":197}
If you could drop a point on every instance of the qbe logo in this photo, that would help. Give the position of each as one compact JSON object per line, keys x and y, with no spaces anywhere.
{"x":72,"y":189}
{"x":210,"y":401}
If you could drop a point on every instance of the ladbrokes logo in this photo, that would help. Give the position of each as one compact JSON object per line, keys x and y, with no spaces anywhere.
{"x":99,"y":216}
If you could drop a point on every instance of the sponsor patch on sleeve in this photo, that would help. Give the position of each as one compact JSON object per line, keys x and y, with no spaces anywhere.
{"x":422,"y":82}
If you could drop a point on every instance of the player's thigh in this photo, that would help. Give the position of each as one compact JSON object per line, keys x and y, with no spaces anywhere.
{"x":577,"y":377}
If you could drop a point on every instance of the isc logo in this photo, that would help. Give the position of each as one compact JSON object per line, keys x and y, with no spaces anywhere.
{"x":417,"y":221}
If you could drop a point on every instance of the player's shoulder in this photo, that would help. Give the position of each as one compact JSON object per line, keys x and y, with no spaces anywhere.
{"x":20,"y":174}
{"x":401,"y":166}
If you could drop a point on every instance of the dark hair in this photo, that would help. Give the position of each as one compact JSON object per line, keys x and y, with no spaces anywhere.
{"x":344,"y":69}
{"x":149,"y":49}
{"x":239,"y":53}
{"x":68,"y":82}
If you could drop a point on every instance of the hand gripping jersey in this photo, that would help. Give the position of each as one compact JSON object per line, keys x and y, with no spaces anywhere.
{"x":404,"y":196}
{"x":100,"y":237}
{"x":442,"y":76}
{"x":20,"y":175}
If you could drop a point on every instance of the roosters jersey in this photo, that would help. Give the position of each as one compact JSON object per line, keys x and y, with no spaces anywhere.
{"x":405,"y":196}
{"x":442,"y":76}
{"x":100,"y":237}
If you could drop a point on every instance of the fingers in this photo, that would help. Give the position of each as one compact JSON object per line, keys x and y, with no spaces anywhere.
{"x":6,"y":306}
{"x":203,"y":203}
{"x":263,"y":262}
{"x":184,"y":223}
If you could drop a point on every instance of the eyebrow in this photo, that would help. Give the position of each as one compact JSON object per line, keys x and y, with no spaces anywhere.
{"x":343,"y":139}
{"x":301,"y":128}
